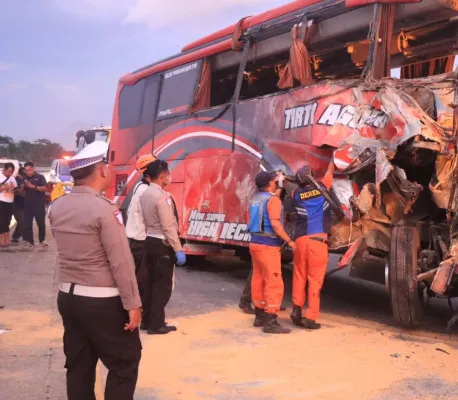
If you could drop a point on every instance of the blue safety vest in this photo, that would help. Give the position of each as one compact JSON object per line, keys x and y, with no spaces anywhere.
{"x":313,"y":211}
{"x":260,"y":225}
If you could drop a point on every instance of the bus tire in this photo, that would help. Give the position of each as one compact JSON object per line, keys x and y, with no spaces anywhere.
{"x":405,"y":292}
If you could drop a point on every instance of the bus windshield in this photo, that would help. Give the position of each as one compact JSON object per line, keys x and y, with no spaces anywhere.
{"x":92,"y":135}
{"x":64,"y":169}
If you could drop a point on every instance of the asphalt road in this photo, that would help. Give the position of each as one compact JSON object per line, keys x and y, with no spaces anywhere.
{"x":217,"y":354}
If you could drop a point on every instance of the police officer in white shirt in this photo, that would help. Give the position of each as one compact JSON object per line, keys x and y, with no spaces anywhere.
{"x":135,"y":227}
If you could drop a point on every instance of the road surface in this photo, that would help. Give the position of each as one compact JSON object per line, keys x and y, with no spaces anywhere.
{"x":217,"y":354}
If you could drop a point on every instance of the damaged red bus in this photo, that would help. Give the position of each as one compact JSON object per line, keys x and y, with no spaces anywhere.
{"x":310,"y":80}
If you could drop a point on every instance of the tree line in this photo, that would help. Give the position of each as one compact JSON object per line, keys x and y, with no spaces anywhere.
{"x":42,"y":151}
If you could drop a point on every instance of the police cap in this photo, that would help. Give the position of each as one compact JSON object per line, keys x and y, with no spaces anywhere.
{"x":91,"y":154}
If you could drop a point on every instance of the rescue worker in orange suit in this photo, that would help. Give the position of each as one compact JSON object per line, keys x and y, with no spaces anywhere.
{"x":311,"y":254}
{"x":267,"y":238}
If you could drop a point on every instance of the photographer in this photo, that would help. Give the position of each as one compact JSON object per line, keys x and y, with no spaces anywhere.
{"x":34,"y":205}
{"x":7,"y":187}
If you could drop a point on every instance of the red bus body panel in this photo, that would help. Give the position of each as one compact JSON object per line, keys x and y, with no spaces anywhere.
{"x":213,"y":170}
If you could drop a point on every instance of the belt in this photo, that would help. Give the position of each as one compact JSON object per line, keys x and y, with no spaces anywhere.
{"x":157,"y":236}
{"x":88,"y":291}
{"x":318,"y":239}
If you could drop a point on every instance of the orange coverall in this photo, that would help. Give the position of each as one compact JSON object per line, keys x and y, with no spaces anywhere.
{"x":310,"y":264}
{"x":267,"y":283}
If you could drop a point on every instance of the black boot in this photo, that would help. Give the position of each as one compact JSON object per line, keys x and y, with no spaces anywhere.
{"x":260,"y":317}
{"x":309,"y":324}
{"x":271,"y":325}
{"x":245,"y":306}
{"x":296,"y":316}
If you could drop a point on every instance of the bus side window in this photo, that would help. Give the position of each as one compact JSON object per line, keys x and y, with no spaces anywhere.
{"x":150,"y":98}
{"x":178,"y":89}
{"x":138,"y":102}
{"x":130,"y":105}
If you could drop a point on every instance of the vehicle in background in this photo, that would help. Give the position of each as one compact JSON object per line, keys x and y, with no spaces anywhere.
{"x":83,"y":138}
{"x":309,"y":81}
{"x":16,"y":164}
{"x":60,"y":173}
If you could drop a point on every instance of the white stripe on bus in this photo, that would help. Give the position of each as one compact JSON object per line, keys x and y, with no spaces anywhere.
{"x":193,"y":135}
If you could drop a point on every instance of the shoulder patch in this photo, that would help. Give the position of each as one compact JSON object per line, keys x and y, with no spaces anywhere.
{"x":168,"y":196}
{"x":118,"y":216}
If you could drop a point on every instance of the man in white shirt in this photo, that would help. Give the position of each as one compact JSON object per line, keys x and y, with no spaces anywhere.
{"x":135,"y":227}
{"x":7,"y":187}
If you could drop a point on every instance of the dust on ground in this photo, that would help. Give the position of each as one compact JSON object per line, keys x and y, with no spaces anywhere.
{"x":219,"y":355}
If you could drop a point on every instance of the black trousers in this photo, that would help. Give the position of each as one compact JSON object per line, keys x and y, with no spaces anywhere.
{"x":137,"y":248}
{"x":6,"y":213}
{"x":18,"y":212}
{"x":246,"y":294}
{"x":160,"y":264}
{"x":38,"y":213}
{"x":93,"y":330}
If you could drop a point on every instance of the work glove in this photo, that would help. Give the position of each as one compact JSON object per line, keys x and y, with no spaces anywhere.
{"x":181,"y":257}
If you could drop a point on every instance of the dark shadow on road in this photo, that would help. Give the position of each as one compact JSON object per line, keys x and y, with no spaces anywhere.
{"x":217,"y":283}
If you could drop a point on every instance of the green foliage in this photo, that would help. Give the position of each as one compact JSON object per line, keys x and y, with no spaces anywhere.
{"x":42,"y":151}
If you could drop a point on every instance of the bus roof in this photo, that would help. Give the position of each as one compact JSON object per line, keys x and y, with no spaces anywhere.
{"x":252,"y":21}
{"x":215,"y":43}
{"x":221,"y":40}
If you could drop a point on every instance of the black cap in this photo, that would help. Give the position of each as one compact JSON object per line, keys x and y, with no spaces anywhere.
{"x":264,"y":178}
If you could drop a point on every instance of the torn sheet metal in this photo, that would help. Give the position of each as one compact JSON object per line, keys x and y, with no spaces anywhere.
{"x":443,"y":276}
{"x":442,"y":181}
{"x":406,"y":192}
{"x":350,"y":254}
{"x":353,"y":157}
{"x":406,"y":119}
{"x":344,"y":190}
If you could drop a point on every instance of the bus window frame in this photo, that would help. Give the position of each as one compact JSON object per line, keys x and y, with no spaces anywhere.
{"x":238,"y":85}
{"x":140,"y":108}
{"x":196,"y":83}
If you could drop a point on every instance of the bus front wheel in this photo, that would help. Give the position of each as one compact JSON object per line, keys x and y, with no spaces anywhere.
{"x":405,"y":292}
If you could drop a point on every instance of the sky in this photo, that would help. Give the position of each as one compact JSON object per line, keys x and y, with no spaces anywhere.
{"x":60,"y":60}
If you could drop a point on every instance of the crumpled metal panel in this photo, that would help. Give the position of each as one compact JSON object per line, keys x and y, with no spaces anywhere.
{"x":443,"y":276}
{"x":405,"y":191}
{"x":442,"y":182}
